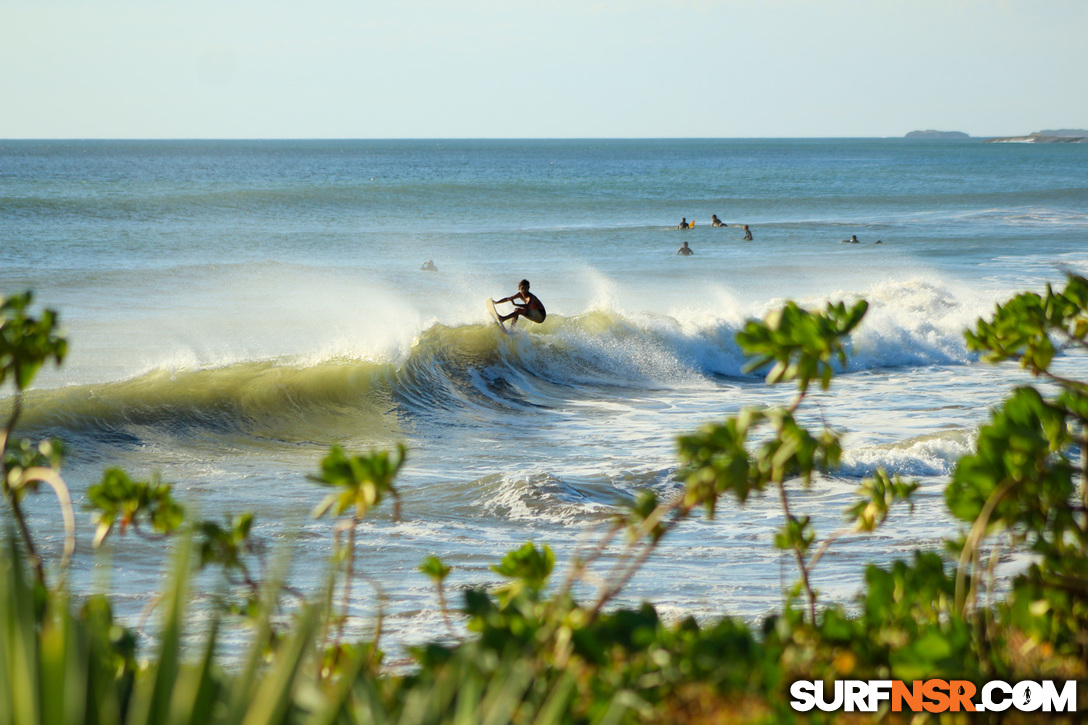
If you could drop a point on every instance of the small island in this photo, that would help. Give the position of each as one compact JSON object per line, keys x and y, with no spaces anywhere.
{"x":1063,"y":135}
{"x":937,"y":134}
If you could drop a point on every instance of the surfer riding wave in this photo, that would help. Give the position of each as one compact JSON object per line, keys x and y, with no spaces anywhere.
{"x":530,"y":307}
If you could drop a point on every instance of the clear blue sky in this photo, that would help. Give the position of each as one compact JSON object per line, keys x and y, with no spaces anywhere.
{"x":547,"y":68}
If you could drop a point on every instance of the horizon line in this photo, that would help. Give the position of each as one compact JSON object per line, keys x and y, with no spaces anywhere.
{"x":479,"y":138}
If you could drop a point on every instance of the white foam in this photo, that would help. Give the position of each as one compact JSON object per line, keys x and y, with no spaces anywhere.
{"x":934,"y":455}
{"x":537,"y":497}
{"x":914,"y":322}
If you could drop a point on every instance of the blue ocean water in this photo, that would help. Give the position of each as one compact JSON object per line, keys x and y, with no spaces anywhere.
{"x":235,"y":307}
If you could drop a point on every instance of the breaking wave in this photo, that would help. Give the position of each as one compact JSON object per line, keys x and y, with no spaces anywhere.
{"x":462,"y":373}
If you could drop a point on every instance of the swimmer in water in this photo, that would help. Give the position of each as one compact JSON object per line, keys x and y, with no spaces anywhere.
{"x":684,"y":224}
{"x":685,"y":250}
{"x":428,"y":266}
{"x":716,"y":222}
{"x":747,"y":234}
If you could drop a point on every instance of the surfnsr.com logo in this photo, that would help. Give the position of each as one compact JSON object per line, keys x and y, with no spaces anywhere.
{"x":934,"y":696}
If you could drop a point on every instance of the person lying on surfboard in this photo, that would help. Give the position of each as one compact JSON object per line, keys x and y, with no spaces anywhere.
{"x":531,"y":306}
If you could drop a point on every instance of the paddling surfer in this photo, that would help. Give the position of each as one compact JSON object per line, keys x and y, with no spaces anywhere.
{"x":530,"y":306}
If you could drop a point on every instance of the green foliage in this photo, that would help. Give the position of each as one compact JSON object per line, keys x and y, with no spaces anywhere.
{"x":529,"y":567}
{"x":1049,"y":603}
{"x":794,"y":451}
{"x":802,"y":345}
{"x":231,"y":547}
{"x":1018,"y":469}
{"x":22,"y":456}
{"x":1022,"y":478}
{"x":117,"y":499}
{"x":902,"y":594}
{"x":360,"y":484}
{"x":148,"y":508}
{"x":364,"y":481}
{"x":795,"y":535}
{"x":26,"y":342}
{"x":876,"y":496}
{"x":226,"y":545}
{"x":908,"y":612}
{"x":1021,"y":328}
{"x":433,"y":568}
{"x":58,"y":666}
{"x":716,"y":461}
{"x":718,"y":458}
{"x":644,"y":517}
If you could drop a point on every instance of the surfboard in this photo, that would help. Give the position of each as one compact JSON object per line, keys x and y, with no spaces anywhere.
{"x":490,"y":304}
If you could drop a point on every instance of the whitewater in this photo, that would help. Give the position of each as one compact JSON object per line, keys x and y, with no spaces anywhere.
{"x":235,"y":308}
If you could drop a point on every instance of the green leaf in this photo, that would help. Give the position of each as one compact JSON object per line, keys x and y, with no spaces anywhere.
{"x":433,"y":567}
{"x":26,"y":342}
{"x":878,"y":494}
{"x":801,"y":344}
{"x":365,"y":481}
{"x":796,"y":535}
{"x":1018,"y":456}
{"x":119,"y":499}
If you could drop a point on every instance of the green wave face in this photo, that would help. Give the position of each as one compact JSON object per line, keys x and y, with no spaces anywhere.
{"x":450,"y":375}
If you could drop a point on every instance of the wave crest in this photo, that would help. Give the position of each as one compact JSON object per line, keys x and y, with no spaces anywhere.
{"x":473,"y":369}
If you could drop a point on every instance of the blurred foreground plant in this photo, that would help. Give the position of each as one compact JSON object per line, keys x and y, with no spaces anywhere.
{"x":758,"y":449}
{"x":26,"y":344}
{"x":1020,"y":484}
{"x":360,"y":484}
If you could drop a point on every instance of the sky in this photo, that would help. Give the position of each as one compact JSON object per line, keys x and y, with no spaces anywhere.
{"x":540,"y":69}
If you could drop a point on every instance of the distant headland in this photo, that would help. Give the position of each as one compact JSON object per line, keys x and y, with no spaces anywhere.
{"x":1061,"y":135}
{"x":937,"y":134}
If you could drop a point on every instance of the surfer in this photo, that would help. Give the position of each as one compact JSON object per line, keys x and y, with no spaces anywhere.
{"x":747,"y":234}
{"x":852,"y":240}
{"x":685,"y":250}
{"x":684,"y":224}
{"x":716,"y":222}
{"x":428,"y":266}
{"x":531,"y":306}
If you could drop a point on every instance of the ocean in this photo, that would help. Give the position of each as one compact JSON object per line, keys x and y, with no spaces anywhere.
{"x":236,"y":307}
